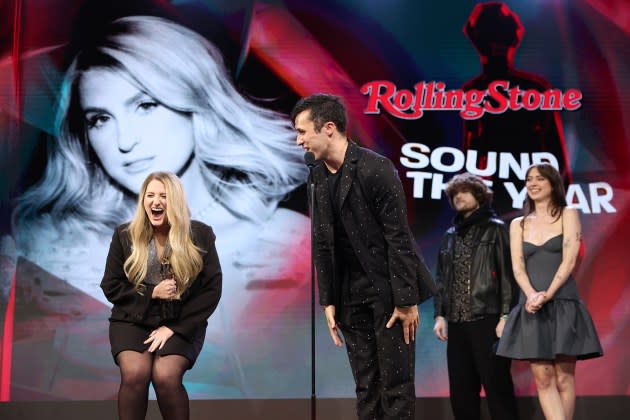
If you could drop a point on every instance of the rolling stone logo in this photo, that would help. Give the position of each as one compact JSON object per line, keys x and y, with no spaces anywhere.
{"x":472,"y":104}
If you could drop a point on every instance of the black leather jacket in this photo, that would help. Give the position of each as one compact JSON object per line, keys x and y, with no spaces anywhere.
{"x":493,"y":288}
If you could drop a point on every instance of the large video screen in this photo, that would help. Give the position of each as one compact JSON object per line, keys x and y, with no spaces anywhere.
{"x":203,"y":88}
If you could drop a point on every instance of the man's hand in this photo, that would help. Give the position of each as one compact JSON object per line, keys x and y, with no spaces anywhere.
{"x":409,"y":318}
{"x":158,"y":338}
{"x":439,"y":328}
{"x":332,"y":325}
{"x":499,"y":327}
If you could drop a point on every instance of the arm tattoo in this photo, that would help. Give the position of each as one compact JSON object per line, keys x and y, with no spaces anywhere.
{"x":567,"y":242}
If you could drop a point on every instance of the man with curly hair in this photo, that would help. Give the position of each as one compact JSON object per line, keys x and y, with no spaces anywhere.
{"x":476,"y":290}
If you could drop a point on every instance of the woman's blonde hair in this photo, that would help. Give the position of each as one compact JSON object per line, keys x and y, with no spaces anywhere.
{"x":184,"y":257}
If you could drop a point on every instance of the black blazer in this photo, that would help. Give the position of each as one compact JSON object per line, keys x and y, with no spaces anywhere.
{"x":198,"y":302}
{"x":374,"y":215}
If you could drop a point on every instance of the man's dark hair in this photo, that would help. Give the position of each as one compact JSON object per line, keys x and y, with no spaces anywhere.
{"x":468,"y":182}
{"x":324,"y":108}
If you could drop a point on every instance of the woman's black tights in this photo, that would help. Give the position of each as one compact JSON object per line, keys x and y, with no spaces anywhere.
{"x":137,"y":370}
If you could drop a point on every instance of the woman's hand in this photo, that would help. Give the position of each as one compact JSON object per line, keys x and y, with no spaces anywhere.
{"x":166,"y":289}
{"x":535,"y":301}
{"x":158,"y":338}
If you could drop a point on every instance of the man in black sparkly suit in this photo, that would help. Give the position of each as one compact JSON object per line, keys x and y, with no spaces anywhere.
{"x":476,"y":290}
{"x":369,"y":275}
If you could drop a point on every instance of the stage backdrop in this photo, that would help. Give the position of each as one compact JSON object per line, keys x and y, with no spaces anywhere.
{"x":208,"y":98}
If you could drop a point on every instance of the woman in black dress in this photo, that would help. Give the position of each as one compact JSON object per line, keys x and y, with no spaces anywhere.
{"x":163,"y":278}
{"x":550,"y":326}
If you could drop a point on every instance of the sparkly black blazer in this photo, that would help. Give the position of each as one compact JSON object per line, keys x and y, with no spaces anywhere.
{"x":374,"y":215}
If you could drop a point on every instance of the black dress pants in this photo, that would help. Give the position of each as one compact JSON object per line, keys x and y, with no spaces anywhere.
{"x":382,"y":364}
{"x":472,"y":364}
